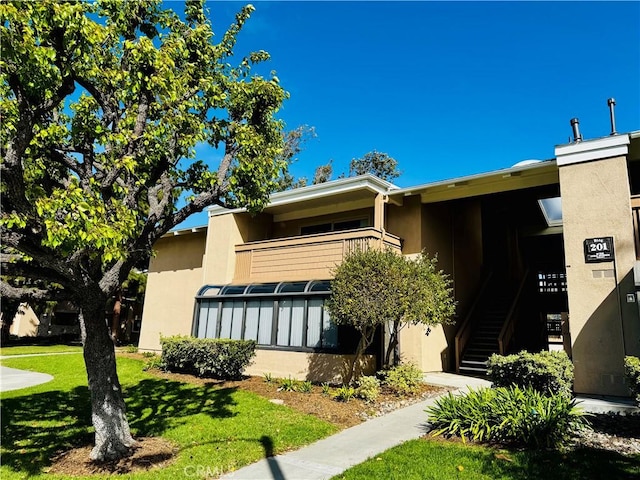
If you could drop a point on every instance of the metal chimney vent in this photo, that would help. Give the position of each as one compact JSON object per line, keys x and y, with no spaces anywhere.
{"x":612,"y":116}
{"x":575,"y":125}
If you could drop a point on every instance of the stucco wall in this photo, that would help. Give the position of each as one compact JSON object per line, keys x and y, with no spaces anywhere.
{"x":317,"y":367}
{"x":175,"y":276}
{"x":596,"y":203}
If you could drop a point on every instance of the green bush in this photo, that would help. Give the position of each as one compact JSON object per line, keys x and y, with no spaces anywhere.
{"x":344,"y":393}
{"x":152,"y":361}
{"x":403,"y":379}
{"x":368,"y":388}
{"x":287,"y":384}
{"x":207,"y":357}
{"x":509,"y":415}
{"x":632,"y":374}
{"x":545,"y":371}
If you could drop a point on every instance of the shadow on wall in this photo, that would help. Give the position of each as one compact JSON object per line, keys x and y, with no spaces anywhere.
{"x":598,"y":351}
{"x":326,"y":367}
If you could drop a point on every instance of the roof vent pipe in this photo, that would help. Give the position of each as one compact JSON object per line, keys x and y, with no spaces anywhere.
{"x":575,"y":125}
{"x":612,"y":116}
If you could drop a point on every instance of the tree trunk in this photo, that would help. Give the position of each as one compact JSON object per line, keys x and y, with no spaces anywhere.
{"x":108,"y":412}
{"x":366,"y":337}
{"x":115,"y":318}
{"x":392,"y":347}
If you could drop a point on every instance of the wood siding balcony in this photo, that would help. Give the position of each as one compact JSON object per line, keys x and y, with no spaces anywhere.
{"x":306,"y":257}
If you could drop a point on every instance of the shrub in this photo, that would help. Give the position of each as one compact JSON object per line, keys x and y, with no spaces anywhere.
{"x":152,"y":360}
{"x":632,"y":374}
{"x":510,"y":415}
{"x":545,"y":371}
{"x":288,"y":384}
{"x":344,"y":393}
{"x":368,"y":388}
{"x":130,"y":349}
{"x":403,"y":379}
{"x":304,"y":387}
{"x":326,"y":388}
{"x":207,"y":357}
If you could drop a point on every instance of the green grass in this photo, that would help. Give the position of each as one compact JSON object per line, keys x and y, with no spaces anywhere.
{"x":216,"y":429}
{"x":30,"y":349}
{"x":425,"y":459}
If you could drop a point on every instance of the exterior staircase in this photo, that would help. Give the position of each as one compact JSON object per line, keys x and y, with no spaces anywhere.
{"x":488,"y":322}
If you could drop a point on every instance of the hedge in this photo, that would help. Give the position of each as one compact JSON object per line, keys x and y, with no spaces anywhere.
{"x":632,"y":374}
{"x":207,"y":357}
{"x":545,"y":371}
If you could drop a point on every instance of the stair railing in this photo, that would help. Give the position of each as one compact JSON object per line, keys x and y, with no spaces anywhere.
{"x":465,"y":330}
{"x":509,"y":325}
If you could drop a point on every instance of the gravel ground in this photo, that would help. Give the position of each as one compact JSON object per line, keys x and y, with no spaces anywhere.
{"x":619,"y":433}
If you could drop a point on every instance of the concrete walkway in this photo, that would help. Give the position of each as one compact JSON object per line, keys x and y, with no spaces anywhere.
{"x":14,"y":379}
{"x":333,"y":455}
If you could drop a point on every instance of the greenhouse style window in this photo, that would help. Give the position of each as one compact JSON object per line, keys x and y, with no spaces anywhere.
{"x":285,"y":315}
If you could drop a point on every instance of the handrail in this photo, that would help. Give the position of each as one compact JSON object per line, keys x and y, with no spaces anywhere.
{"x":508,"y":328}
{"x":635,"y":215}
{"x":464,"y":332}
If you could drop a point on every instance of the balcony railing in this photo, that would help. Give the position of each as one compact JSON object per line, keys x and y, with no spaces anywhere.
{"x":306,"y":257}
{"x":635,"y":212}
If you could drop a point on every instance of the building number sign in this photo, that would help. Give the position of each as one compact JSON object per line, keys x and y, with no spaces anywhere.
{"x":598,"y":249}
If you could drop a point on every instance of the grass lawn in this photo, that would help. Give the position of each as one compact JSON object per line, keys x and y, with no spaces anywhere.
{"x":30,"y":349}
{"x":216,"y":429}
{"x":425,"y":459}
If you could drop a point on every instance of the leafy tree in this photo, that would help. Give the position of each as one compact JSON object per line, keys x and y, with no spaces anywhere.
{"x":372,"y":288}
{"x":103,"y":104}
{"x":323,"y":173}
{"x":377,"y":163}
{"x":293,"y":143}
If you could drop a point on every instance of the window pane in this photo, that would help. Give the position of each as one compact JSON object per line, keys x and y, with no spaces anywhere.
{"x":225,"y":321}
{"x":251,"y":321}
{"x":202,"y":319}
{"x":266,"y":322}
{"x":297,"y":323}
{"x":212,"y":320}
{"x":290,"y":287}
{"x":313,"y":229}
{"x":329,"y":332}
{"x":262,"y":288}
{"x":284,"y":322}
{"x":233,"y":290}
{"x":236,"y":322}
{"x":314,"y":322}
{"x":320,"y":286}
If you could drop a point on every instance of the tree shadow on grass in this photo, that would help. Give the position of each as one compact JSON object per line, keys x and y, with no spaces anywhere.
{"x":579,"y":464}
{"x":35,"y":428}
{"x":154,"y":405}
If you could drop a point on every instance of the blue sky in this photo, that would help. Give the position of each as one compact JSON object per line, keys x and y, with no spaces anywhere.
{"x":446,"y":88}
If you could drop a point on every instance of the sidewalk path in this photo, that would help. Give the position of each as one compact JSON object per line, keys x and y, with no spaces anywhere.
{"x":333,"y":455}
{"x":14,"y":379}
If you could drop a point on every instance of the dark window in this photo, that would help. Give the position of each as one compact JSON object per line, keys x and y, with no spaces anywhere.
{"x":334,"y":227}
{"x":313,"y":229}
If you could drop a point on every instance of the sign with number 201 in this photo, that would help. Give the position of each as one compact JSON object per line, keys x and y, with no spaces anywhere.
{"x":598,"y":249}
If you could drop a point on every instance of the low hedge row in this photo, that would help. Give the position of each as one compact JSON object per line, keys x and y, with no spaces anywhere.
{"x":632,"y":374}
{"x":545,"y":371}
{"x":207,"y":357}
{"x":512,"y":415}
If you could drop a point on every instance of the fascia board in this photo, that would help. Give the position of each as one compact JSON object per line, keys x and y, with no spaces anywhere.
{"x":597,"y":149}
{"x":343,"y":185}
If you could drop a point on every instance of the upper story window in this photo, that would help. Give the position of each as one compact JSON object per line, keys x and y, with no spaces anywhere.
{"x":334,"y":226}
